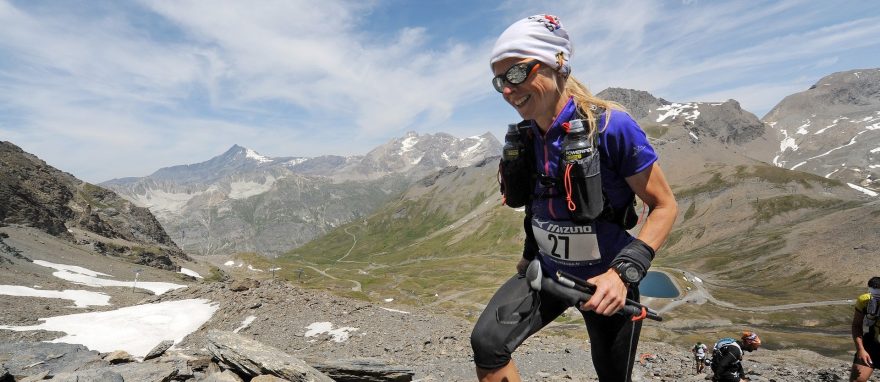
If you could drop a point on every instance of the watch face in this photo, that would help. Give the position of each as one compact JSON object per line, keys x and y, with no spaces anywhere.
{"x":631,"y":274}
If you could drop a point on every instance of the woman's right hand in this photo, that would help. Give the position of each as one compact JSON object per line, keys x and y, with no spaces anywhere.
{"x":864,"y":357}
{"x":522,"y":265}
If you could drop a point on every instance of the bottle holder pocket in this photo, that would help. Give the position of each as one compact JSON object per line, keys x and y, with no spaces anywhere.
{"x":583,"y":189}
{"x":514,"y":181}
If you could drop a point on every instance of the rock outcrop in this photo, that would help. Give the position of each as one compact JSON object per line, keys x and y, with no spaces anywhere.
{"x":32,"y":193}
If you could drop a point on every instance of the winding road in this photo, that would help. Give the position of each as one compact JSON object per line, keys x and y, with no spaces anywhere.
{"x":701,"y":295}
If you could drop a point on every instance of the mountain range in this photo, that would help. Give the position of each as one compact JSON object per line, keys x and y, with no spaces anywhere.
{"x":241,"y":201}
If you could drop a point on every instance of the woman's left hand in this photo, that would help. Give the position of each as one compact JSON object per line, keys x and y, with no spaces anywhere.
{"x":610,"y":294}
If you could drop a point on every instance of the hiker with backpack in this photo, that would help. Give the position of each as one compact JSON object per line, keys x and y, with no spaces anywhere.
{"x":699,"y":351}
{"x":727,"y":355}
{"x":576,"y":163}
{"x":866,"y":332}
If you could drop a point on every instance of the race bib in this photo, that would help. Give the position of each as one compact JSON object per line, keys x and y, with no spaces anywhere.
{"x":566,"y":242}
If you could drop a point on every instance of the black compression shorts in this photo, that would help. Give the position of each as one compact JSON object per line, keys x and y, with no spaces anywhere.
{"x":515,"y":312}
{"x":873,"y":349}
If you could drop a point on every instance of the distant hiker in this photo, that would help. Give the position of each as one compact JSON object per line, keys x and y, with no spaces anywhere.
{"x":866,"y":332}
{"x":699,"y":351}
{"x":727,"y":355}
{"x":569,"y":150}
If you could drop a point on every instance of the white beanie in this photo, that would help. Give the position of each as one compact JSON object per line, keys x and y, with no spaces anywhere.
{"x":541,"y":37}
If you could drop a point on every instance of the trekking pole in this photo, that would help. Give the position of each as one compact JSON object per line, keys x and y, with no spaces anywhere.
{"x":632,"y":308}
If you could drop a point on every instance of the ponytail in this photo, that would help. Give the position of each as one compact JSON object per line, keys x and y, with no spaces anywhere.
{"x":585,"y":102}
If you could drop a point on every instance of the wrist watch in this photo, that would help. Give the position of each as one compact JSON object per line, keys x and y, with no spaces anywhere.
{"x":628,"y":272}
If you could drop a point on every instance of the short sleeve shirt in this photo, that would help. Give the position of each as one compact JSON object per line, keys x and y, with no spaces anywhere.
{"x":624,"y":151}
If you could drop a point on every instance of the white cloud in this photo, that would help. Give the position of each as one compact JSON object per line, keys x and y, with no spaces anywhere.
{"x":123,"y":89}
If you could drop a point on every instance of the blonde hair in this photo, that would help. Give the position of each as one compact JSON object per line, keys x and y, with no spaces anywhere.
{"x":585,"y":102}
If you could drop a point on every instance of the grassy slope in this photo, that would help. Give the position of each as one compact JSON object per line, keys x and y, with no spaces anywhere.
{"x":752,"y":263}
{"x":451,"y":244}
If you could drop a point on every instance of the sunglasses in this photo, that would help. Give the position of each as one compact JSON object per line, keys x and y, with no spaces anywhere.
{"x":516,"y":75}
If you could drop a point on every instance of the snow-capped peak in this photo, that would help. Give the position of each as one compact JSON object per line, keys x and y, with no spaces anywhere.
{"x":255,"y":156}
{"x":408,"y":143}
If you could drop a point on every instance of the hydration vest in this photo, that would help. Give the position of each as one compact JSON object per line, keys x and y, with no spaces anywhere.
{"x":518,"y":188}
{"x":872,"y":314}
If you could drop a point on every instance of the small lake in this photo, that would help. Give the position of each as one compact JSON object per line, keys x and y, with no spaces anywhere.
{"x":657,"y":284}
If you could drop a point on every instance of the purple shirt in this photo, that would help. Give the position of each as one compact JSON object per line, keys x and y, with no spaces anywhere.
{"x":624,"y":151}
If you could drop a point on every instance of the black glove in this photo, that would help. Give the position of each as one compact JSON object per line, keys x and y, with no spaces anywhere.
{"x":638,"y":253}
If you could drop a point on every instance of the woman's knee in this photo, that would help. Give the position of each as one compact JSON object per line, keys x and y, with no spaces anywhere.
{"x":489,"y":351}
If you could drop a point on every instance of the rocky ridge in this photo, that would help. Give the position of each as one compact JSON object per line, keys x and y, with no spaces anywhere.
{"x":725,"y":122}
{"x":35,"y":194}
{"x":831,"y":129}
{"x":389,"y":342}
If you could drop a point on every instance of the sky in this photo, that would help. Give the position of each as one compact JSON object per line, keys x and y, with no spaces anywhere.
{"x":110,"y":89}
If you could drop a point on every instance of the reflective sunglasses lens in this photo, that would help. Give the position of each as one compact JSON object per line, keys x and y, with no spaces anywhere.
{"x":498,"y":83}
{"x":517,"y":74}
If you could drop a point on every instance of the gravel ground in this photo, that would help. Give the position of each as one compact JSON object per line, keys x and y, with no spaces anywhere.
{"x":434,"y":345}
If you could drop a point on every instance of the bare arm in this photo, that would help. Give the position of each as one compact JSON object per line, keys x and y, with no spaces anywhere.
{"x":651,"y":186}
{"x":861,"y":353}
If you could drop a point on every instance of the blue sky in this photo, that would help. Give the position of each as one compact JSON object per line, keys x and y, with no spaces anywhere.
{"x":106,"y":89}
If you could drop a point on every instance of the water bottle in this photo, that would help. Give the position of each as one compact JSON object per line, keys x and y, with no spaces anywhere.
{"x":576,"y":144}
{"x":513,"y":146}
{"x":581,"y":174}
{"x":513,"y":169}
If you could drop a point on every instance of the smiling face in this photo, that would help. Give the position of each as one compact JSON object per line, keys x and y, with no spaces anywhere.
{"x":538,"y":98}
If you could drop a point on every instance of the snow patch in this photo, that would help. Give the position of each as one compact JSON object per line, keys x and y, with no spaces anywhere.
{"x":877,"y":150}
{"x":798,"y":165}
{"x":338,"y":335}
{"x":295,"y":161}
{"x":802,"y":129}
{"x":833,"y":124}
{"x":135,"y":329}
{"x":251,"y":154}
{"x":244,"y":324}
{"x":229,"y":263}
{"x":190,"y":272}
{"x":396,"y":311}
{"x":689,"y":111}
{"x":408,"y":144}
{"x":80,"y":298}
{"x":787,"y":143}
{"x":693,"y":135}
{"x":89,"y":277}
{"x":862,"y":189}
{"x":468,"y":151}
